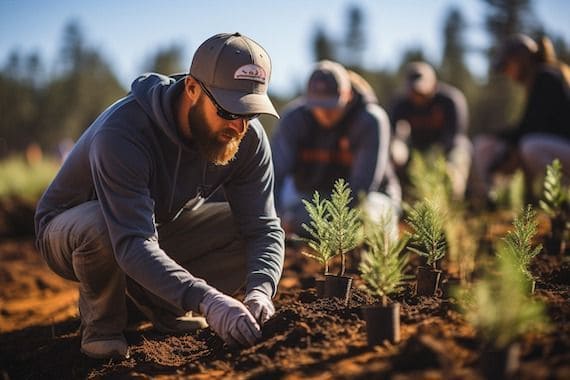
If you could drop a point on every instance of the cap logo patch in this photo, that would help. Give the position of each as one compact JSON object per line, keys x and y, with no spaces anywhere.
{"x":251,"y":72}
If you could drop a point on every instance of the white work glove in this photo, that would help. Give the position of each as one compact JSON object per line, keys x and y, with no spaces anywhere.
{"x":230,"y":319}
{"x":260,"y":305}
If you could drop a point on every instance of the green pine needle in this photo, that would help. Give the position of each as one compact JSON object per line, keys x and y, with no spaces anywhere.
{"x":382,"y":264}
{"x":428,"y":238}
{"x":518,"y":243}
{"x":499,"y":307}
{"x":334,"y":226}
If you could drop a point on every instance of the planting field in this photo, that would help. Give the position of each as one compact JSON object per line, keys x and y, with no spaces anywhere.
{"x":307,"y":338}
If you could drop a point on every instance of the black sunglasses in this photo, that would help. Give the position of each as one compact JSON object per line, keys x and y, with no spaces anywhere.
{"x":222,"y":112}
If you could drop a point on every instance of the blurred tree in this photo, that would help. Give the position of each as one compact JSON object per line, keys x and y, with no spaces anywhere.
{"x":501,"y":101}
{"x":412,"y":54}
{"x":19,"y":101}
{"x":84,"y":88}
{"x":72,"y":53}
{"x":323,"y":46}
{"x":46,"y":109}
{"x":453,"y":67}
{"x":34,"y":70}
{"x":506,"y":17}
{"x":355,"y":40}
{"x":167,"y":60}
{"x":12,"y":68}
{"x":384,"y":83}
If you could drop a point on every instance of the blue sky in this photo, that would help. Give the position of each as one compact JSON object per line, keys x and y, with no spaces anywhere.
{"x":127,"y":32}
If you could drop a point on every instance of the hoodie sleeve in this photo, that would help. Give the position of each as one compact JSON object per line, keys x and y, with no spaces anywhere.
{"x":284,"y":147}
{"x":371,"y":148}
{"x":121,"y":170}
{"x":457,"y":115}
{"x":250,"y":194}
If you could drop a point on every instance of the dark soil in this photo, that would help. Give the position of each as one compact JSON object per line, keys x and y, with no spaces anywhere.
{"x":307,"y":338}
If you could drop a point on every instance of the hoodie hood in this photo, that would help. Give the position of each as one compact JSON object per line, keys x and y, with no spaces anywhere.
{"x":157,"y":93}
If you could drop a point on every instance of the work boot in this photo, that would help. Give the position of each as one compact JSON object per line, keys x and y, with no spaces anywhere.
{"x":164,"y":321}
{"x":115,"y":347}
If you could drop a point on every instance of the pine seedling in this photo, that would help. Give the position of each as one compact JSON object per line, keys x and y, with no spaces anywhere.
{"x":430,"y":180}
{"x":428,"y":238}
{"x":556,"y":201}
{"x":518,"y":243}
{"x":319,"y":228}
{"x":334,"y":226}
{"x":498,"y":305}
{"x":554,"y":196}
{"x":382,"y":264}
{"x":345,"y":222}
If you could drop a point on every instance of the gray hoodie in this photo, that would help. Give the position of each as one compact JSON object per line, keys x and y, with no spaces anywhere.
{"x":133,"y":161}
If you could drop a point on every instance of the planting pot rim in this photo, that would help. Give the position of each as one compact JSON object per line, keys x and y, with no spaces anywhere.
{"x":379,"y":305}
{"x":336,"y":275}
{"x":430,"y":268}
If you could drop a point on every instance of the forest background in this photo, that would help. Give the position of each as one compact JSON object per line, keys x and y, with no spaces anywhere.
{"x":49,"y":103}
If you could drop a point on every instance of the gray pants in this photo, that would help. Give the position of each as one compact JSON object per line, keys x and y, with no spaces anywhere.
{"x":76,"y":246}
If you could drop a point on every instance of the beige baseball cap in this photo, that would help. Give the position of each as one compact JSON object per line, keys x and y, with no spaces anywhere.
{"x":236,"y":70}
{"x":327,"y":85}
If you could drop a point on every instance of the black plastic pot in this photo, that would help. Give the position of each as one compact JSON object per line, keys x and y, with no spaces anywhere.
{"x":447,"y":287}
{"x":556,"y":244}
{"x":500,"y":363}
{"x":427,"y":281}
{"x":382,"y":323}
{"x":337,"y":286}
{"x":320,"y":286}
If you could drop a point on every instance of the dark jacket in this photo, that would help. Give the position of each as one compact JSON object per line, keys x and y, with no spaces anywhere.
{"x":438,"y":122}
{"x":548,"y":107}
{"x":355,"y":149}
{"x":132,"y":160}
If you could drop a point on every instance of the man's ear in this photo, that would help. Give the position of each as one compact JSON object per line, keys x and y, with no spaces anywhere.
{"x":192,"y":89}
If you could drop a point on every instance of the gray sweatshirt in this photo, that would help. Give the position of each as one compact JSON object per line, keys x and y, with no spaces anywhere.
{"x":132,"y":160}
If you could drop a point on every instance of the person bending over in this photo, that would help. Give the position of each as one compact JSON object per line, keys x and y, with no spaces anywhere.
{"x":126,"y":214}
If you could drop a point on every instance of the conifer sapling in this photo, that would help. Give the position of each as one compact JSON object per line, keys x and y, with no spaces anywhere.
{"x":334,"y":225}
{"x":319,"y":229}
{"x":556,"y":200}
{"x":382,"y":265}
{"x":428,"y":236}
{"x":498,"y":305}
{"x":554,"y":196}
{"x":518,"y":243}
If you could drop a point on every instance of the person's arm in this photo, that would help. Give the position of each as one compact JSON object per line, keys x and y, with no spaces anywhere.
{"x":371,"y":149}
{"x":396,"y":113}
{"x":250,"y":195}
{"x":284,"y":150}
{"x":457,"y":119}
{"x":541,"y":104}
